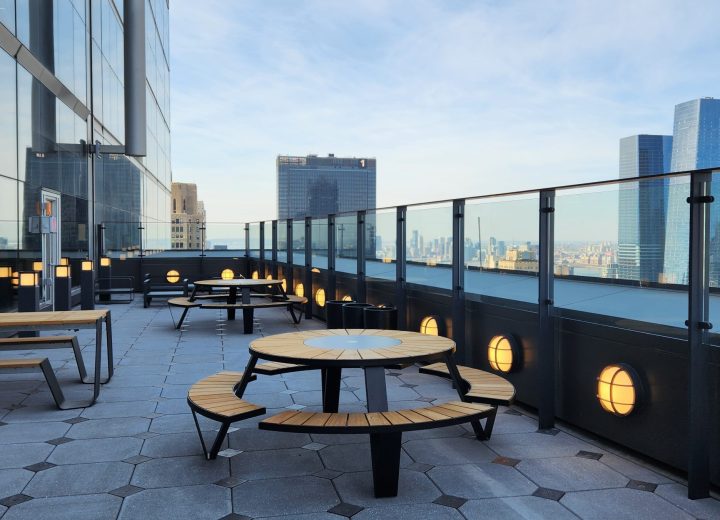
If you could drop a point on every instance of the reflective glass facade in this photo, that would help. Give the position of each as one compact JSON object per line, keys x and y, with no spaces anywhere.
{"x":319,"y":186}
{"x":53,"y":111}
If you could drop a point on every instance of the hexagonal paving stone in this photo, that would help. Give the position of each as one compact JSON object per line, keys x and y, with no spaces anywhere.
{"x":82,"y":507}
{"x":96,"y":450}
{"x":516,"y":508}
{"x":174,"y":503}
{"x":353,"y":457}
{"x":410,"y":512}
{"x":79,"y":479}
{"x":276,"y":463}
{"x":571,"y":474}
{"x":444,"y":451}
{"x":122,"y":409}
{"x":284,"y":496}
{"x":179,"y":471}
{"x":12,"y":481}
{"x":104,"y":428}
{"x":34,"y":432}
{"x":21,"y":455}
{"x":484,"y":480}
{"x":175,"y":445}
{"x":536,"y":445}
{"x":621,"y":504}
{"x":254,"y":440}
{"x":677,"y":494}
{"x":413,"y":488}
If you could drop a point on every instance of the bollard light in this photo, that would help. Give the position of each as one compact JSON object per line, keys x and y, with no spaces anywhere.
{"x":86,"y":265}
{"x":28,"y":279}
{"x":64,"y":261}
{"x":104,"y":261}
{"x":61,"y":291}
{"x":62,"y":271}
{"x":6,"y":272}
{"x":37,"y":266}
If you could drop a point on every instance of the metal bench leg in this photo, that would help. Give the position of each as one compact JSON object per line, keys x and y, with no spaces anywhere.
{"x":182,"y":317}
{"x":248,"y":314}
{"x":296,"y":319}
{"x":55,"y":389}
{"x":202,"y":440}
{"x":79,"y":359}
{"x":385,"y":454}
{"x":331,"y":389}
{"x":222,"y":432}
{"x":489,"y":423}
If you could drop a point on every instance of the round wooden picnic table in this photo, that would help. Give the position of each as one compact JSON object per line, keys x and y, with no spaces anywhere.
{"x":244,"y":284}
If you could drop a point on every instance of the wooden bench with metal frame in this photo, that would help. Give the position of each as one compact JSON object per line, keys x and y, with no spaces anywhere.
{"x":215,"y":397}
{"x":46,"y":342}
{"x":385,"y":430}
{"x":479,"y":387}
{"x":44,"y":365}
{"x":154,"y":289}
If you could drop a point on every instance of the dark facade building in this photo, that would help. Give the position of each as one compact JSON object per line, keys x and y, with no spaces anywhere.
{"x":318,"y":186}
{"x":63,"y":127}
{"x":642,"y":207}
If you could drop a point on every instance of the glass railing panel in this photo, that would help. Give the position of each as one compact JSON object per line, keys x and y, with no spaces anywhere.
{"x":298,"y":241}
{"x":428,"y":245}
{"x":621,"y":250}
{"x":714,"y":252}
{"x":381,"y":244}
{"x":267,"y":242}
{"x":346,"y":243}
{"x":319,"y":243}
{"x":123,"y":239}
{"x":282,"y":245}
{"x":501,"y":247}
{"x":254,"y":239}
{"x":223,"y":238}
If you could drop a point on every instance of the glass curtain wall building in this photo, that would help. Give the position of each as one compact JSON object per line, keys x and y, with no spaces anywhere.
{"x":61,"y":93}
{"x":696,"y":145}
{"x":642,"y":207}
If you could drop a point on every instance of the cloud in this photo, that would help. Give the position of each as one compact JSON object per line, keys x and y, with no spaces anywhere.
{"x":453,"y":98}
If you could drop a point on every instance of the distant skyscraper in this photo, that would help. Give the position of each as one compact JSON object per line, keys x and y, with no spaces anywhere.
{"x":696,"y":145}
{"x":642,"y":207}
{"x":318,"y":186}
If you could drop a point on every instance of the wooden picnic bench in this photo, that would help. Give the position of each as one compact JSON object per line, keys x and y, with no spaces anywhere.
{"x":44,"y":365}
{"x":154,"y":288}
{"x":385,"y":430}
{"x":46,"y":342}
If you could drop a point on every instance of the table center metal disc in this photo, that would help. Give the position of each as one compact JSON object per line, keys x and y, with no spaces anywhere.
{"x":352,"y":341}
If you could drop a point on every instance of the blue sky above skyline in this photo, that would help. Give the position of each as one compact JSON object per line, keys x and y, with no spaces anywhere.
{"x":454,"y":98}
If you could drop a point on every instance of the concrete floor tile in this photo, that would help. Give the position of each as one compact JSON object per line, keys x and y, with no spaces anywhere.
{"x":32,"y":432}
{"x":353,"y":457}
{"x":284,"y":496}
{"x":106,"y":428}
{"x":96,"y":450}
{"x":84,"y":507}
{"x":178,"y":423}
{"x":175,"y":503}
{"x":276,"y":463}
{"x":248,"y":439}
{"x":175,"y":445}
{"x":536,"y":445}
{"x":633,"y":470}
{"x":409,"y":512}
{"x":179,"y":471}
{"x":413,"y":488}
{"x":677,"y":495}
{"x":621,"y":504}
{"x":109,"y":410}
{"x":21,"y":455}
{"x":79,"y":479}
{"x":445,"y":451}
{"x":571,"y":474}
{"x":486,"y":480}
{"x":12,"y":481}
{"x":516,"y":508}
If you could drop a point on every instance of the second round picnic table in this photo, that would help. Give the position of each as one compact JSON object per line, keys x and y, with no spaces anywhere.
{"x":244,"y":284}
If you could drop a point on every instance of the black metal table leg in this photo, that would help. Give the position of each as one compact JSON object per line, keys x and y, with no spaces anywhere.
{"x":331,"y":389}
{"x":232,"y":300}
{"x":385,"y":453}
{"x":248,"y":314}
{"x":375,"y":389}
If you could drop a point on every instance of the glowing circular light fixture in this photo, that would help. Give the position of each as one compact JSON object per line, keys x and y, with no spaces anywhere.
{"x":430,"y":326}
{"x":347,"y":298}
{"x":617,"y":389}
{"x":255,"y":275}
{"x":172,"y":276}
{"x":315,"y":270}
{"x":320,"y":297}
{"x":284,"y":285}
{"x":227,"y":274}
{"x":268,"y":277}
{"x":502,"y":353}
{"x":300,"y":290}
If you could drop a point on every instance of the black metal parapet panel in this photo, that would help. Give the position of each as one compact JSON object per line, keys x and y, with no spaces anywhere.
{"x":134,"y":42}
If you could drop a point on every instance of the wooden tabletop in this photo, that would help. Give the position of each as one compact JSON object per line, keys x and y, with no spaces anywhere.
{"x":51,"y":318}
{"x":351,"y":347}
{"x":237,"y":282}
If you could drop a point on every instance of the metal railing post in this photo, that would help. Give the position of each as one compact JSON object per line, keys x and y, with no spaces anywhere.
{"x":401,"y":267}
{"x":332,"y":278}
{"x":698,"y":326}
{"x":308,"y":269}
{"x":274,"y":247}
{"x":458,"y":281}
{"x":261,"y":253}
{"x":360,"y":248}
{"x":289,"y":269}
{"x":546,"y":332}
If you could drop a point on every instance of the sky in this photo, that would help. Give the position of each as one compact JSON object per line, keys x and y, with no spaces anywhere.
{"x":454,"y":98}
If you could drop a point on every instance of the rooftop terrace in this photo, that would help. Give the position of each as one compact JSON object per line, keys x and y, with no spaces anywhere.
{"x":135,"y":454}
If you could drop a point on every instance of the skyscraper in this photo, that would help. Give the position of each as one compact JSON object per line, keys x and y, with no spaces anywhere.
{"x":188,"y":217}
{"x":319,"y":186}
{"x":696,"y":145}
{"x":642,"y":206}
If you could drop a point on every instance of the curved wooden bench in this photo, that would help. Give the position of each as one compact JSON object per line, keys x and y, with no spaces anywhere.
{"x":480,"y":387}
{"x":272,"y":368}
{"x":385,"y":429}
{"x":214,"y":397}
{"x":249,"y":308}
{"x":44,"y":365}
{"x":185,"y":304}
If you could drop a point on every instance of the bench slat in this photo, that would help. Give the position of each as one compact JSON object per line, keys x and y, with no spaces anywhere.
{"x":38,"y":340}
{"x":485,"y":387}
{"x":21,"y":363}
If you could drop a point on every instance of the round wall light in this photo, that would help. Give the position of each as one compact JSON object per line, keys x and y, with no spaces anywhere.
{"x":315,"y":270}
{"x":618,"y":387}
{"x":227,"y":274}
{"x":255,"y":275}
{"x":503,"y":353}
{"x":268,"y":277}
{"x":430,"y":325}
{"x":347,"y":298}
{"x":320,"y":297}
{"x":284,"y":285}
{"x":172,"y":276}
{"x":300,"y":290}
